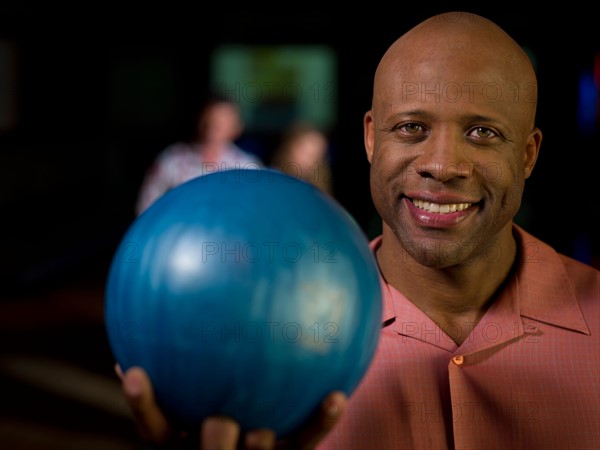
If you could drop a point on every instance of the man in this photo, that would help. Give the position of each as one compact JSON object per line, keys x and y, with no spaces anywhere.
{"x":489,"y":337}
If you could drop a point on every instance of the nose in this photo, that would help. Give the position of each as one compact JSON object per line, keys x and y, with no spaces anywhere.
{"x":444,"y":157}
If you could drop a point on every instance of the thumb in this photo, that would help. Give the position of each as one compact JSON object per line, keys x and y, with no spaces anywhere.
{"x":328,"y":415}
{"x":151,"y":422}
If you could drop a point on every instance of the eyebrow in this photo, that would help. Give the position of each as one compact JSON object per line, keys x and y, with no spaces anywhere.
{"x":412,"y":113}
{"x":420,"y":113}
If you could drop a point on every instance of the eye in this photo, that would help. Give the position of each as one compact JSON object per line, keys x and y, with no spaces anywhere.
{"x":482,"y":133}
{"x":410,"y":128}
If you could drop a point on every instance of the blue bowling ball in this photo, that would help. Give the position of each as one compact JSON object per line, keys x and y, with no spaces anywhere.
{"x":246,"y":293}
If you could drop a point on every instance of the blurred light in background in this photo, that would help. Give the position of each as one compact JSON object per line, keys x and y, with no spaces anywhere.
{"x":587,"y":106}
{"x":276,"y":85}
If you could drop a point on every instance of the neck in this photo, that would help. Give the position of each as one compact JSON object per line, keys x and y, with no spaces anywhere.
{"x":454,"y":296}
{"x":211,"y":151}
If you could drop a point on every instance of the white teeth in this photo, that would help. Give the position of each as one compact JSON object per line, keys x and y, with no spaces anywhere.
{"x":441,"y":209}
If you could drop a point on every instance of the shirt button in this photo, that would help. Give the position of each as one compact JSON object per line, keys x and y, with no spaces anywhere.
{"x":530,"y":327}
{"x":458,"y":360}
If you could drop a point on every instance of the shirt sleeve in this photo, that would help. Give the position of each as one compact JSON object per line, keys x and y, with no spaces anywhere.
{"x":157,"y":180}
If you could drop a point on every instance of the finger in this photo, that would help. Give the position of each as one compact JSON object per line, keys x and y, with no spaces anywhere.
{"x":219,"y":433}
{"x":152,"y":424}
{"x":327,"y":417}
{"x":263,"y":439}
{"x":119,"y":371}
{"x":332,"y":409}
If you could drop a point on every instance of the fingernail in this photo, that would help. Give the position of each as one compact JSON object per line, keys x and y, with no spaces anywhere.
{"x":133,"y":386}
{"x":332,"y":409}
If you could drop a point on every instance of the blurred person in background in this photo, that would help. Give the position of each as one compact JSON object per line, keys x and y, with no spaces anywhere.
{"x":303,"y":152}
{"x":213,"y":148}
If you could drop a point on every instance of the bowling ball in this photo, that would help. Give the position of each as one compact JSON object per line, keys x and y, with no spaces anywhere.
{"x":246,"y":293}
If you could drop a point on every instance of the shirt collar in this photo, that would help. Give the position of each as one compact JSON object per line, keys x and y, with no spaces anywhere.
{"x":388,"y":312}
{"x":541,"y":286}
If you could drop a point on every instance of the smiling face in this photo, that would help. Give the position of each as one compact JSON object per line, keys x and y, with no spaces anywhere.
{"x":451,"y":139}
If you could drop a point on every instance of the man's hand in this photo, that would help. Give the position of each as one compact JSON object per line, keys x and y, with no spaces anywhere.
{"x":221,"y":433}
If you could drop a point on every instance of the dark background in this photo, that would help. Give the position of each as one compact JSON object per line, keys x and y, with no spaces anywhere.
{"x":74,"y":161}
{"x":72,"y":164}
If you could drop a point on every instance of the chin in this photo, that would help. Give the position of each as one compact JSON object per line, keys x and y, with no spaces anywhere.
{"x":440,"y":255}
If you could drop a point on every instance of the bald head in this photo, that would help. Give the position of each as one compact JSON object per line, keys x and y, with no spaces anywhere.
{"x":454,"y":100}
{"x":466,"y":55}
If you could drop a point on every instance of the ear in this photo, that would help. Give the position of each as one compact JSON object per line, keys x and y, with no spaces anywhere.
{"x":532,"y":149}
{"x":369,"y":134}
